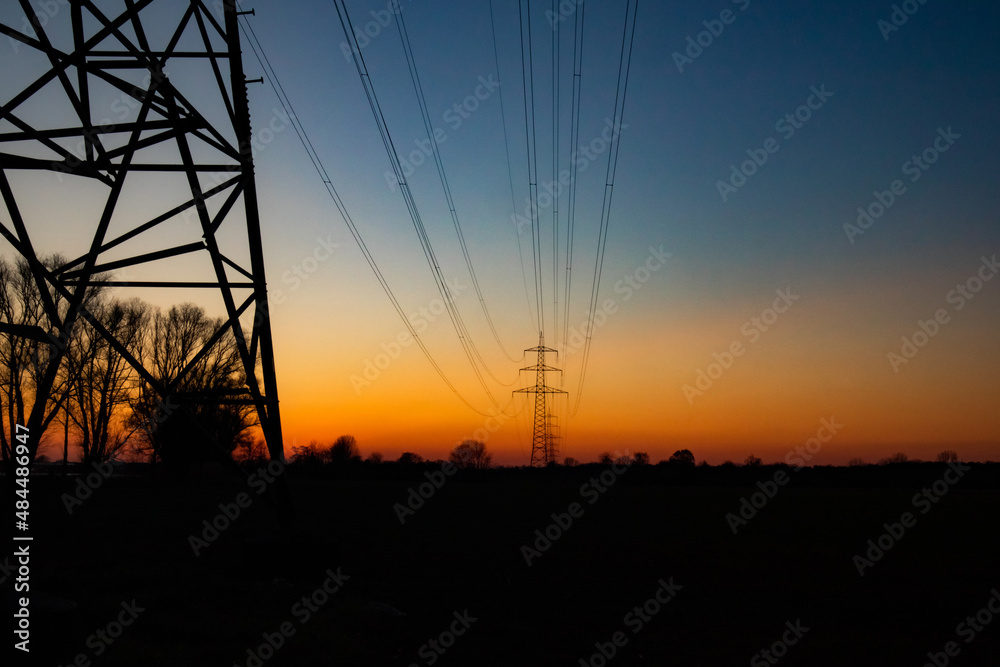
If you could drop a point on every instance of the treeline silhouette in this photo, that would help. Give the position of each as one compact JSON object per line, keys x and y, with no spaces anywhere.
{"x":342,"y":460}
{"x":100,"y":407}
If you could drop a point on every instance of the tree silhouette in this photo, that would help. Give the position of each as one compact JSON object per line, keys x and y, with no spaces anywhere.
{"x":344,"y":450}
{"x":947,"y":456}
{"x":682,"y":457}
{"x":409,"y":458}
{"x":178,"y":354}
{"x":753,"y":461}
{"x":101,"y":380}
{"x":471,"y":454}
{"x":641,"y":459}
{"x":312,"y":454}
{"x":252,"y":452}
{"x":25,"y":357}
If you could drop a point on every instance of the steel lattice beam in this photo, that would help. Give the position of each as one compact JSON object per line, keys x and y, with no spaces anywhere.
{"x":103,"y":53}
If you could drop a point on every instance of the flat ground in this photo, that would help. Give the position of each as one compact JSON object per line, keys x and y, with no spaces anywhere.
{"x":461,"y":551}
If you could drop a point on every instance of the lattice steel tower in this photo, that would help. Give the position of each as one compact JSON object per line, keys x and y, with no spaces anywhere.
{"x":543,"y":448}
{"x":142,"y":116}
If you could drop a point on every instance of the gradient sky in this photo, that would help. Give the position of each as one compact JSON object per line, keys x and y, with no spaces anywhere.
{"x":825,"y":357}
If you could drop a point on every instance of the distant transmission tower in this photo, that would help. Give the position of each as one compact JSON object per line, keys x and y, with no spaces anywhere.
{"x":552,"y":428}
{"x":543,"y":448}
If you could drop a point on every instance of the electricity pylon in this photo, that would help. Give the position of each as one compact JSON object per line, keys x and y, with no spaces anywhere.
{"x":168,"y":172}
{"x":553,"y":430}
{"x":543,"y":449}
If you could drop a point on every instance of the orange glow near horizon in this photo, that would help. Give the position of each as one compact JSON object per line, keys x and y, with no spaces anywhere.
{"x":771,"y":399}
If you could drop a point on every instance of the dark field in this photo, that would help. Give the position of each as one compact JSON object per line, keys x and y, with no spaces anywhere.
{"x":461,"y":552}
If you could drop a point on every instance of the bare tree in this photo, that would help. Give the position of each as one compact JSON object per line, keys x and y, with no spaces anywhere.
{"x":186,"y":356}
{"x":101,"y":380}
{"x":947,"y":456}
{"x":312,"y":454}
{"x":14,"y":352}
{"x":251,"y":452}
{"x":29,"y":349}
{"x":471,"y":454}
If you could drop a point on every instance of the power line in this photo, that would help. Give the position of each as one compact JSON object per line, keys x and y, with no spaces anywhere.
{"x":439,"y":163}
{"x":555,"y":169}
{"x":621,"y":89}
{"x":321,"y":171}
{"x":528,"y":85}
{"x":574,"y":139}
{"x":453,"y":313}
{"x":510,"y":176}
